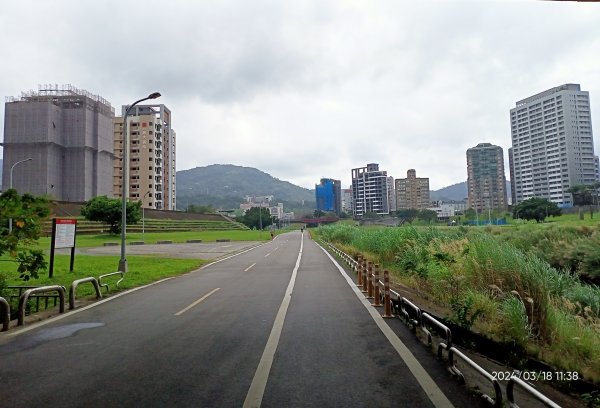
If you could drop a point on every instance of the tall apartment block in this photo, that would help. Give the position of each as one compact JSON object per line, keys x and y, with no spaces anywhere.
{"x":391,"y":194}
{"x":68,"y":134}
{"x":552,"y":144}
{"x":151,"y":156}
{"x":347,"y":200}
{"x":329,"y":195}
{"x":412,"y":192}
{"x":369,"y":190}
{"x":486,"y":182}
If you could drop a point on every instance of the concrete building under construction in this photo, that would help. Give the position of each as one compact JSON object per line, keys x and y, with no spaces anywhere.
{"x":151,"y":171}
{"x":68,"y":134}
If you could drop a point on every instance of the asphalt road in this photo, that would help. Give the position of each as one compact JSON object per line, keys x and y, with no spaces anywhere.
{"x":278,"y":325}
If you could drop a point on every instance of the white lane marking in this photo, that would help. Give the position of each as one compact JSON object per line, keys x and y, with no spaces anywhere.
{"x":434,"y":393}
{"x":182,"y":311}
{"x":32,"y":326}
{"x":248,"y":268}
{"x":259,"y":382}
{"x":226,"y":246}
{"x":268,"y":254}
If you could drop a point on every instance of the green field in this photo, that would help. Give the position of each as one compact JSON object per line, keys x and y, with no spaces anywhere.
{"x":177,"y":237}
{"x":142,"y":269}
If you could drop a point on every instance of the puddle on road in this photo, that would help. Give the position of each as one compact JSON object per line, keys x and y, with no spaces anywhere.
{"x":28,"y":341}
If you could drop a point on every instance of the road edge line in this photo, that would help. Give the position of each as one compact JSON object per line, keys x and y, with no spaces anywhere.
{"x":435,"y":394}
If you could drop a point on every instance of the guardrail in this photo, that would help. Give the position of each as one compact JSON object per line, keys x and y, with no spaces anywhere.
{"x":74,"y":285}
{"x":497,"y":402}
{"x":428,"y":319}
{"x":105,"y":285}
{"x":413,"y":315}
{"x":538,"y":395}
{"x":5,"y":313}
{"x":42,"y":289}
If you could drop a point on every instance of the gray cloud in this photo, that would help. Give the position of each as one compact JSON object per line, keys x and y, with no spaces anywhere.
{"x":313,"y":89}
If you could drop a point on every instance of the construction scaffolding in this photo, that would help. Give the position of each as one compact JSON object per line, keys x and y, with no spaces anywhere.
{"x":65,"y":95}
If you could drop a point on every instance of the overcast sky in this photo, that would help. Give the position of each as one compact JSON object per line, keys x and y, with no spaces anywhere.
{"x":311,"y":89}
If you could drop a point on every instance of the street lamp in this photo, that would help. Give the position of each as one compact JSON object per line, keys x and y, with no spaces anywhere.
{"x":125,"y":192}
{"x":10,"y":185}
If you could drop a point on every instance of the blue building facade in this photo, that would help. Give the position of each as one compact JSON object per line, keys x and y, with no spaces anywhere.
{"x":329,"y":195}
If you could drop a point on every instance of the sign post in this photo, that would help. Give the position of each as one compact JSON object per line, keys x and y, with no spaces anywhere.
{"x":63,"y":236}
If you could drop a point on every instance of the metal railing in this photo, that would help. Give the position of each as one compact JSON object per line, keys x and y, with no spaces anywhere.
{"x":105,"y":285}
{"x":74,"y":285}
{"x":42,"y":289}
{"x":5,"y":309}
{"x":529,"y":389}
{"x":497,"y":402}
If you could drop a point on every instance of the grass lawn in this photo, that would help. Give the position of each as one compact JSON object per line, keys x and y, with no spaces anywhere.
{"x":151,"y":238}
{"x":142,"y":270}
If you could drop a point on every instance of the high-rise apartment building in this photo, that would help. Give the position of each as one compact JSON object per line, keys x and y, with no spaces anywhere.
{"x":486,"y":182}
{"x":347,"y":200}
{"x":369,"y":190}
{"x":412,"y":192}
{"x":151,"y":156}
{"x":391,"y":194}
{"x":329,"y":195}
{"x":68,"y":134}
{"x":552,"y":144}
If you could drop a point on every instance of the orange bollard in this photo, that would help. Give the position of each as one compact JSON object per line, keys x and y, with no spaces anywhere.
{"x":359,"y":270}
{"x":387,"y":302}
{"x":370,"y":282}
{"x":376,"y":286}
{"x":364,"y":275}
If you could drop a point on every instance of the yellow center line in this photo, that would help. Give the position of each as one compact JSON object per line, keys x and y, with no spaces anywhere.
{"x":182,"y":311}
{"x":248,"y":268}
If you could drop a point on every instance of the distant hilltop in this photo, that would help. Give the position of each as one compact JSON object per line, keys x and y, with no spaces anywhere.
{"x":226,"y":186}
{"x":457,"y":192}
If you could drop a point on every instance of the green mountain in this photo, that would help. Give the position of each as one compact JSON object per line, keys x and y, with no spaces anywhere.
{"x":457,"y":192}
{"x":226,"y":186}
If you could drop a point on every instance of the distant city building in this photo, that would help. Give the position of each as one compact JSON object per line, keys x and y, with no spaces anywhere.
{"x":369,"y":191}
{"x":276,"y":211}
{"x":151,"y":156}
{"x":257,"y":201}
{"x":412,"y":192}
{"x":486,"y":181}
{"x":347,"y":200}
{"x":67,"y":132}
{"x":391,"y":193}
{"x":329,"y":195}
{"x":552,"y":145}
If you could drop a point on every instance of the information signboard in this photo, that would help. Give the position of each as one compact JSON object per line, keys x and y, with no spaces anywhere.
{"x":64,"y":237}
{"x":64,"y":231}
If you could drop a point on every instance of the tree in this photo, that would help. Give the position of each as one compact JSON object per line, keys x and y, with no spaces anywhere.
{"x":27,"y":212}
{"x":408,"y":214}
{"x":256,"y":216}
{"x":583,"y":195}
{"x":427,"y":215}
{"x":108,"y":210}
{"x":536,"y":208}
{"x":318,"y":213}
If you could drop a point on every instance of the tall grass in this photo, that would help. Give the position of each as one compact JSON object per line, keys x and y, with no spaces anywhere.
{"x":497,"y":283}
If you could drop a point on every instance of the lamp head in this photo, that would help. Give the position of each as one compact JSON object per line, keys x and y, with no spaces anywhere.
{"x":154,"y":95}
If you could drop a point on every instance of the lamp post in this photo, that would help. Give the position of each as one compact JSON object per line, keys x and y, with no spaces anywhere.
{"x":10,"y":186}
{"x":125,"y":192}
